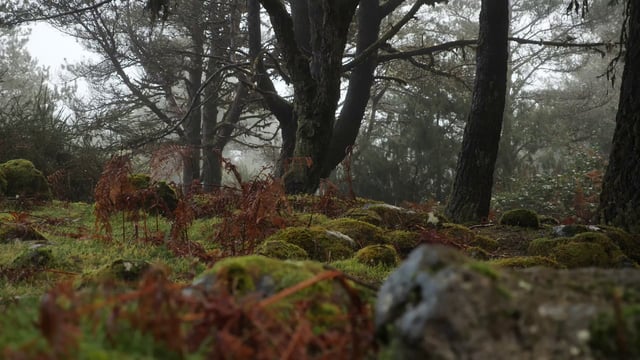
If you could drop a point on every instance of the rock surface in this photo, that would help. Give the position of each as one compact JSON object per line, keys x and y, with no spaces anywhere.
{"x":441,"y":305}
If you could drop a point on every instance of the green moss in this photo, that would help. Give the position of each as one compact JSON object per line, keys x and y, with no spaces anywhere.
{"x":320,"y":244}
{"x":572,"y":229}
{"x":373,"y":275}
{"x":520,"y":262}
{"x":458,"y":232}
{"x":23,"y":179}
{"x":485,"y":242}
{"x":310,"y":219}
{"x":140,"y":181}
{"x":544,"y":246}
{"x":39,"y":258}
{"x":584,"y":249}
{"x":119,"y":271}
{"x":605,"y":334}
{"x":10,"y":231}
{"x":476,"y":252}
{"x":281,"y":250}
{"x":547,"y":220}
{"x":404,"y":241}
{"x":629,"y":244}
{"x":484,"y":268}
{"x":366,"y":215}
{"x":520,"y":217}
{"x":361,"y":232}
{"x":157,"y":196}
{"x":377,"y":255}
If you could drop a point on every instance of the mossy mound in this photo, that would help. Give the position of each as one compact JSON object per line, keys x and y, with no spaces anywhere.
{"x":320,"y":244}
{"x":39,"y":258}
{"x":366,"y":215}
{"x":605,"y":334}
{"x":403,"y":241}
{"x":24,"y":180}
{"x":521,"y":262}
{"x":156,"y":197}
{"x":310,"y":219}
{"x":373,"y":255}
{"x":548,"y":220}
{"x":283,"y":250}
{"x":19,"y":232}
{"x":583,"y":250}
{"x":477,"y":253}
{"x":361,"y":232}
{"x":485,"y":242}
{"x":119,"y":271}
{"x":572,"y":230}
{"x":368,"y":274}
{"x":458,"y":233}
{"x":628,"y":243}
{"x":520,"y":217}
{"x":394,"y":217}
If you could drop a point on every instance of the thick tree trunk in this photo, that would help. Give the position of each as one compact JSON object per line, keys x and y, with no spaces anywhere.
{"x":358,"y":92}
{"x":620,"y":197}
{"x":471,"y":192}
{"x":193,"y":124}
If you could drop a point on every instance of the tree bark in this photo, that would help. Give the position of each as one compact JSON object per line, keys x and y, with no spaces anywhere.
{"x":193,"y":124}
{"x":316,"y":82}
{"x":471,"y":193}
{"x":620,"y":197}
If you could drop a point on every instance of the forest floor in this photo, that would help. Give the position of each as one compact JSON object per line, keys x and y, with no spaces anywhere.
{"x":69,"y":289}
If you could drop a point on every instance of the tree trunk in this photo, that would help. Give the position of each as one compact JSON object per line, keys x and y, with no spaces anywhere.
{"x":620,"y":197}
{"x":471,"y":192}
{"x":193,"y":124}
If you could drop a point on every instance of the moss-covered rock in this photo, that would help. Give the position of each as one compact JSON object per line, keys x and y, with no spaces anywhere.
{"x":583,"y":250}
{"x":520,"y":217}
{"x":368,"y":274}
{"x":361,"y":232}
{"x":156,"y":197}
{"x":119,"y":271}
{"x":548,"y":220}
{"x":628,"y":243}
{"x":572,"y":230}
{"x":520,"y":262}
{"x":403,"y":241}
{"x":310,"y":219}
{"x":366,"y":215}
{"x":477,"y":253}
{"x":319,"y":243}
{"x":279,"y":249}
{"x":459,"y":233}
{"x":377,"y":255}
{"x":24,"y":180}
{"x":10,"y":231}
{"x":38,"y":257}
{"x":485,"y":242}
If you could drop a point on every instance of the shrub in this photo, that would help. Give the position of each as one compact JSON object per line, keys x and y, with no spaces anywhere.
{"x":24,"y":180}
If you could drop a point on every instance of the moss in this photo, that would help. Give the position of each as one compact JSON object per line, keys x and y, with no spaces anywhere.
{"x":11,"y":231}
{"x":477,"y":253}
{"x":404,"y":241}
{"x":310,"y":219}
{"x":544,"y":246}
{"x":570,"y":230}
{"x":485,"y":242}
{"x":460,"y":233}
{"x":605,"y":334}
{"x":548,"y":220}
{"x":484,"y":269}
{"x":281,"y":250}
{"x":140,"y":181}
{"x":520,"y":217}
{"x":157,"y":196}
{"x":361,"y":232}
{"x":377,"y":255}
{"x":23,"y":179}
{"x":119,"y":271}
{"x":373,"y":275}
{"x":40,"y":257}
{"x":584,"y":249}
{"x":394,"y":217}
{"x":520,"y":262}
{"x":366,"y":215}
{"x":320,"y":244}
{"x":629,"y":244}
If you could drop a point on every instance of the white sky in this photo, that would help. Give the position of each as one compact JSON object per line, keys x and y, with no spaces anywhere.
{"x":53,"y":49}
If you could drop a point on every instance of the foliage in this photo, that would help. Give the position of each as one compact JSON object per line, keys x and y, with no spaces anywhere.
{"x":574,"y":191}
{"x":167,"y":319}
{"x":24,"y":180}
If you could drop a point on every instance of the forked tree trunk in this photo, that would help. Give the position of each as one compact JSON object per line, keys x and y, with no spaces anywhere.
{"x":471,"y":193}
{"x":620,"y":197}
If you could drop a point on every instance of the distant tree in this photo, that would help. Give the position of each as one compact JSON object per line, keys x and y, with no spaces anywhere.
{"x":620,"y":197}
{"x":471,"y":192}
